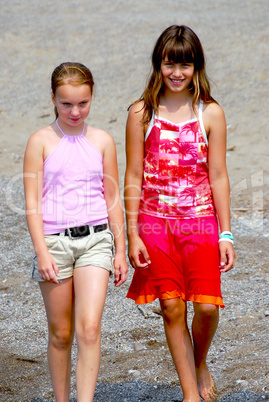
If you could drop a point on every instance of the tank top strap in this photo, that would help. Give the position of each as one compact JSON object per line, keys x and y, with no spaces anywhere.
{"x":201,"y":104}
{"x":150,"y":125}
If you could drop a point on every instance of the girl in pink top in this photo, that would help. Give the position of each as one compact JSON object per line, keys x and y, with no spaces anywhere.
{"x":176,"y":196}
{"x":74,"y":211}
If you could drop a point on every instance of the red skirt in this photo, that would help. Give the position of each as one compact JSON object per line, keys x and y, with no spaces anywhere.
{"x":184,"y":258}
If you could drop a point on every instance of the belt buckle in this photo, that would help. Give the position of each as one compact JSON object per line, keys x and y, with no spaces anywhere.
{"x":69,"y":232}
{"x":81,"y":231}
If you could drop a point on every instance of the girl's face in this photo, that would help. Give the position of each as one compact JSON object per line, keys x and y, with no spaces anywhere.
{"x":73,"y":103}
{"x":176,"y":76}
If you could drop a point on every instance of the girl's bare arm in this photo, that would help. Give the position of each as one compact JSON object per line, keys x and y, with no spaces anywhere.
{"x":115,"y":208}
{"x":215,"y":125}
{"x":33,"y":183}
{"x":133,"y":182}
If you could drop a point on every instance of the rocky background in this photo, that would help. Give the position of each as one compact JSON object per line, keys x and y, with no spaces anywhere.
{"x":115,"y":39}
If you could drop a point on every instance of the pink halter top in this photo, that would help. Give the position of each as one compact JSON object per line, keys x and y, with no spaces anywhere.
{"x":73,"y":193}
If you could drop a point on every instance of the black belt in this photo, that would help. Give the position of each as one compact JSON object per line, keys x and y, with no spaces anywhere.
{"x":83,"y":230}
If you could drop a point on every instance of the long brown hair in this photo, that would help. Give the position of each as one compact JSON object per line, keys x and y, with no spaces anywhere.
{"x":70,"y":73}
{"x":177,"y":43}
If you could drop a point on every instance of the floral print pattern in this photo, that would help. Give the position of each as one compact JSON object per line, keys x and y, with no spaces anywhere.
{"x":176,"y":182}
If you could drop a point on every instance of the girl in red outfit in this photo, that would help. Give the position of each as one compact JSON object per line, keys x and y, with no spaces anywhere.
{"x":177,"y":198}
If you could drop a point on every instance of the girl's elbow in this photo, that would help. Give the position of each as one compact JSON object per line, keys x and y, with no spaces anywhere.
{"x":217,"y":174}
{"x":133,"y":177}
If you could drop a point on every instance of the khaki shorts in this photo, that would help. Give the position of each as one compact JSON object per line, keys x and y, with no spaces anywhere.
{"x":95,"y":249}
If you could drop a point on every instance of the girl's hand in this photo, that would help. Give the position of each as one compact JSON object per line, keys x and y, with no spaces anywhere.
{"x":121,"y":269}
{"x":227,"y":256}
{"x":138,"y":255}
{"x":47,"y":267}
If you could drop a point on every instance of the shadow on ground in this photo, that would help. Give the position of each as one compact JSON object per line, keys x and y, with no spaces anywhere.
{"x":137,"y":391}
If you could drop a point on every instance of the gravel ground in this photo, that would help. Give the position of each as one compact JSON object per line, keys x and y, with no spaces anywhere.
{"x":136,"y":364}
{"x":115,"y":38}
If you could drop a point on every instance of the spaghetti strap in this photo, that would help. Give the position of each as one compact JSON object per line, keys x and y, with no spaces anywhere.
{"x":150,"y":125}
{"x":201,"y":104}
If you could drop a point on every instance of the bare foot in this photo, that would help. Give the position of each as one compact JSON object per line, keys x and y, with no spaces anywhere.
{"x":206,"y":385}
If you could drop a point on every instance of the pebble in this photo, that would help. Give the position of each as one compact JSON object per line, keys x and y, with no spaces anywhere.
{"x":243,"y":383}
{"x":139,"y":346}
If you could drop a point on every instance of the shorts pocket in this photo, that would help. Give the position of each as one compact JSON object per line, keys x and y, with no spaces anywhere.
{"x":34,"y":274}
{"x":106,"y":236}
{"x":51,"y":240}
{"x":34,"y":266}
{"x":112,"y":236}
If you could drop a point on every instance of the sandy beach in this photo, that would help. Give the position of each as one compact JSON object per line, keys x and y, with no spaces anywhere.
{"x":115,"y":39}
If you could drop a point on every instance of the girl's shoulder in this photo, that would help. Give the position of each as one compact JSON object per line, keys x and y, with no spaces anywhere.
{"x":97,"y":133}
{"x":99,"y":138}
{"x":41,"y":143}
{"x":213,"y":118}
{"x":137,"y":109}
{"x":212,"y":110}
{"x":136,"y":117}
{"x":42,"y":136}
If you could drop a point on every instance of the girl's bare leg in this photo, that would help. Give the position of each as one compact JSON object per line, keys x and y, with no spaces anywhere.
{"x":204,"y":326}
{"x":59,"y":304}
{"x":180,"y":345}
{"x":90,"y":284}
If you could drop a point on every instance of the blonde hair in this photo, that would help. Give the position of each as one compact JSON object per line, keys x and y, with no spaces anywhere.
{"x":70,"y":73}
{"x":177,"y":43}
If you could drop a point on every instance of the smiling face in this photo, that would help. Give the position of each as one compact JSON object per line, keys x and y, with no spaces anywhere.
{"x":73,"y":103}
{"x":177,"y":77}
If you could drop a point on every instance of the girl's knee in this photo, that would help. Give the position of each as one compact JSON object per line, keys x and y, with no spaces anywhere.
{"x":206,"y":310}
{"x":88,"y":334}
{"x":61,"y":339}
{"x":173,"y":310}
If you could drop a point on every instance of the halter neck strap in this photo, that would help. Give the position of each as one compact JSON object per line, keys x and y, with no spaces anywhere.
{"x":82,"y":132}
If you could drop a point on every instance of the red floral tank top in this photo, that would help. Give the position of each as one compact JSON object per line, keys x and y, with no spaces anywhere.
{"x":175,"y":182}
